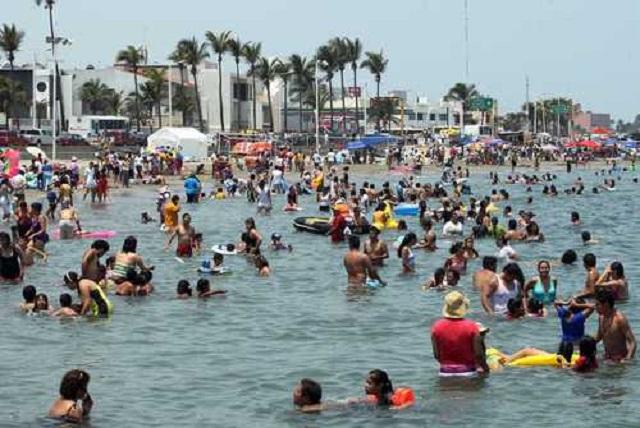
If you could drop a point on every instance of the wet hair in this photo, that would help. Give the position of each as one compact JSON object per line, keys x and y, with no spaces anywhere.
{"x":383,"y":385}
{"x":184,"y":287}
{"x":405,"y":242}
{"x":100,"y":244}
{"x":311,"y":392}
{"x":586,"y":235}
{"x":490,"y":263}
{"x":74,"y":384}
{"x":514,"y":270}
{"x":354,"y":242}
{"x":569,"y":257}
{"x":203,"y":285}
{"x":618,"y":269}
{"x":454,"y":274}
{"x":175,"y":198}
{"x":514,"y":305}
{"x":250,"y":222}
{"x":534,"y":306}
{"x":589,"y":260}
{"x":588,"y":348}
{"x":374,"y":230}
{"x":186,"y":216}
{"x":71,"y":276}
{"x":402,"y":225}
{"x":29,"y":293}
{"x":575,"y":216}
{"x":544,"y":262}
{"x":130,"y":244}
{"x":65,"y":300}
{"x":512,"y":224}
{"x":457,"y":246}
{"x":605,"y":295}
{"x":439,"y":273}
{"x":261,"y":261}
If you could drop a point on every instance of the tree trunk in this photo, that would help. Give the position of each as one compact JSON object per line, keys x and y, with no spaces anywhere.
{"x":135,"y":83}
{"x":300,"y":110}
{"x":239,"y":101}
{"x":221,"y":105}
{"x":253,"y":84}
{"x":378,"y":97}
{"x":270,"y":108}
{"x":159,"y":107}
{"x":194,"y":72}
{"x":355,"y":85}
{"x":344,"y":111}
{"x":184,"y":114}
{"x":286,"y":106}
{"x":330,"y":103}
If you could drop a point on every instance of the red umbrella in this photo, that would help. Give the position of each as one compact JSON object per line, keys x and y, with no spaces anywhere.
{"x":587,"y":144}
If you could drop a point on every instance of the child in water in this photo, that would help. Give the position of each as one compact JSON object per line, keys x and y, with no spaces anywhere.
{"x":587,"y":361}
{"x":29,"y":296}
{"x":203,"y":287}
{"x":183,"y":290}
{"x":262,"y":265}
{"x":65,"y":311}
{"x":277,"y":244}
{"x":144,"y":218}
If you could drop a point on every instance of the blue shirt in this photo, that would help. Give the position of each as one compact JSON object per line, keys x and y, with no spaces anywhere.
{"x":573,"y":327}
{"x":192,"y":186}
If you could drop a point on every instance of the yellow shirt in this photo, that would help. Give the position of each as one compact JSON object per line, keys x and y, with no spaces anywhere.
{"x":171,"y":214}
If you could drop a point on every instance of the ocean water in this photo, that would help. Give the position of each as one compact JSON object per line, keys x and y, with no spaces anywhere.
{"x":234,"y":361}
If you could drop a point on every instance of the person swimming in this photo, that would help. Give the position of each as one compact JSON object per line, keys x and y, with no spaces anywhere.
{"x":203,"y":287}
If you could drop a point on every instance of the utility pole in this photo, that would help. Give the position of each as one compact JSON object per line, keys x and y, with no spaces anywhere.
{"x":466,"y":40}
{"x":526,"y":79}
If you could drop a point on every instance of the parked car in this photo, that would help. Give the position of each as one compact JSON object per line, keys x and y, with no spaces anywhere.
{"x":36,"y":136}
{"x":66,"y":139}
{"x":12,"y":139}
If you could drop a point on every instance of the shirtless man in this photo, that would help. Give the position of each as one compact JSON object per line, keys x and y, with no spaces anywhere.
{"x":589,"y":261}
{"x":486,"y":275}
{"x":69,"y":221}
{"x":376,"y":248}
{"x":358,"y":265}
{"x":91,"y":267}
{"x":614,"y":329}
{"x":185,"y":233}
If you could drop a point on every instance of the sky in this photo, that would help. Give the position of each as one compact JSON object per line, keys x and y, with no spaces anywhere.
{"x":583,"y":49}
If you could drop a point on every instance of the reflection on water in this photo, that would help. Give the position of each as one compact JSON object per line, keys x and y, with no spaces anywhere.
{"x":233,"y":361}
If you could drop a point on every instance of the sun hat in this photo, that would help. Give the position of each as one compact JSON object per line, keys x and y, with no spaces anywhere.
{"x":455,"y":305}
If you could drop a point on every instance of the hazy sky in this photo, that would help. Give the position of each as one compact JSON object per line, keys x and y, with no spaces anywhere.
{"x":586,"y":49}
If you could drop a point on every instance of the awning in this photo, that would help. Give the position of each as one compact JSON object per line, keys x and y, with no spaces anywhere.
{"x":371,"y":140}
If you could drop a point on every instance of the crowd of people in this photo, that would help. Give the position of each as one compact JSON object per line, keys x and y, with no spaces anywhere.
{"x":356,"y":210}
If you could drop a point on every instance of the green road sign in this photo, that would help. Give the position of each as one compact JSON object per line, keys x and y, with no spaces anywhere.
{"x":560,"y":108}
{"x":481,"y":103}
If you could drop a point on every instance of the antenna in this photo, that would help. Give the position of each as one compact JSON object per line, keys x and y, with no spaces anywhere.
{"x":466,"y":39}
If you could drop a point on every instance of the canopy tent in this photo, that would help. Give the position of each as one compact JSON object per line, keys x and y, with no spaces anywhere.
{"x":601,"y":131}
{"x":371,"y":140}
{"x":251,"y":148}
{"x":191,"y":143}
{"x":587,"y":144}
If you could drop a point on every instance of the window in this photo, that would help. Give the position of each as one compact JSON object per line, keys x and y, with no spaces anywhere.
{"x":432,"y":117}
{"x":443,"y":117}
{"x":412,"y":116}
{"x":420,"y":116}
{"x":241,"y":91}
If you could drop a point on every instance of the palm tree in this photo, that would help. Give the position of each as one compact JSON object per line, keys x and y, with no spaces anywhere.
{"x":175,"y":56}
{"x":235,"y":49}
{"x":303,"y":71}
{"x":376,"y":63}
{"x":267,"y":72}
{"x":309,"y":97}
{"x":463,"y":93}
{"x":148,"y":99}
{"x":219,"y":44}
{"x":192,"y":53}
{"x":183,"y":101}
{"x":385,"y":111}
{"x":48,"y":4}
{"x":328,"y":63}
{"x":12,"y":95}
{"x":252,"y":53}
{"x":353,"y":50}
{"x":114,"y":102}
{"x":132,"y":56}
{"x":339,"y":48}
{"x":94,"y":94}
{"x":156,"y":89}
{"x":10,"y":41}
{"x":283,"y":70}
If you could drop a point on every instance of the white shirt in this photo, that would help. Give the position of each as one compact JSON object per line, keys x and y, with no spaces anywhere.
{"x":452,"y":229}
{"x":506,"y":252}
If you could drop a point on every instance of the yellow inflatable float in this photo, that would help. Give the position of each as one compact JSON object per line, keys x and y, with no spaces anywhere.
{"x":543,"y":360}
{"x":384,"y":219}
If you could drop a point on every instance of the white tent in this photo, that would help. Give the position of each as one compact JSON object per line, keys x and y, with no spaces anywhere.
{"x":191,"y":143}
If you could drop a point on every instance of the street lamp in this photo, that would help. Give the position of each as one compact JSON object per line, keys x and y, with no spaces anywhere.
{"x":54,"y":41}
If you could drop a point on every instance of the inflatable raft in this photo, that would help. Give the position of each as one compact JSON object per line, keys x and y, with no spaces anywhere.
{"x":321,"y":226}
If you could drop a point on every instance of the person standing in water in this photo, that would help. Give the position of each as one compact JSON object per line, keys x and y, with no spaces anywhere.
{"x":613,"y":329}
{"x":185,"y":233}
{"x":376,"y":248}
{"x":73,"y":391}
{"x":358,"y":265}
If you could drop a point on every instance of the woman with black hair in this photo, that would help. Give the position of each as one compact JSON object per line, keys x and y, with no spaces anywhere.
{"x":73,"y":389}
{"x":380,"y":392}
{"x":406,"y":254}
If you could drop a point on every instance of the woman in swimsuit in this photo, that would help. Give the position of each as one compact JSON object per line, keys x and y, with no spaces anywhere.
{"x":128,"y":260}
{"x":11,"y":260}
{"x":37,"y":236}
{"x":543,"y":287}
{"x":428,"y":242}
{"x":252,"y":238}
{"x":23,"y":221}
{"x":73,"y":389}
{"x":457,"y":261}
{"x":469,"y":249}
{"x":406,"y":254}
